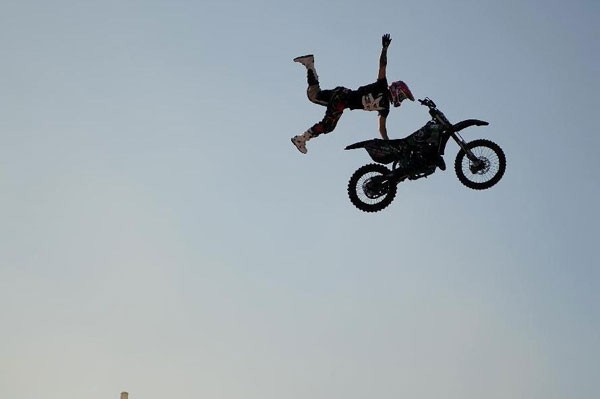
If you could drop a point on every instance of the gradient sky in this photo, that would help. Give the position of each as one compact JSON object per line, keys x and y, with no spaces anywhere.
{"x":160,"y":234}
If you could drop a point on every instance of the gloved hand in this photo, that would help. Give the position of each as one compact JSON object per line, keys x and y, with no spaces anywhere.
{"x":386,"y":40}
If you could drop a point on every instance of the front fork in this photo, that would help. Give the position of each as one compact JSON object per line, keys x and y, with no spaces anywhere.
{"x":463,"y":144}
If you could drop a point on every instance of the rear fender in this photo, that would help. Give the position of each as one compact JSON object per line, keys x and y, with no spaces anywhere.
{"x":361,"y":144}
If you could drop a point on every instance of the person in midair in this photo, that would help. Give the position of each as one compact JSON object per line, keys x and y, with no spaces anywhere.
{"x":373,"y":97}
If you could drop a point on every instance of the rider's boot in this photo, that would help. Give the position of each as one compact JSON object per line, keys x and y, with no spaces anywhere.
{"x":305,"y":60}
{"x":309,"y":62}
{"x":300,"y":141}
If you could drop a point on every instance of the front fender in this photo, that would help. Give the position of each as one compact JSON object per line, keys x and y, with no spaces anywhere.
{"x":457,"y":128}
{"x":469,"y":122}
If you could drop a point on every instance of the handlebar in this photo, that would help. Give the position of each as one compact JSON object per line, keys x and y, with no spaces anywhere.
{"x":435,"y":113}
{"x":428,"y":102}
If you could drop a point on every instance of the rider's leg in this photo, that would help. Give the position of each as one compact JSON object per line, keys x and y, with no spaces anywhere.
{"x":335,"y":108}
{"x":314,"y":92}
{"x":318,"y":96}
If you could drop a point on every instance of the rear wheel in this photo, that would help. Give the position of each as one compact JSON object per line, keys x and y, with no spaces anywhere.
{"x":369,"y":189}
{"x":484,"y":171}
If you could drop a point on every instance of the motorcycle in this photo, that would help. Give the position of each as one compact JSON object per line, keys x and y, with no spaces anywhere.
{"x":479,"y":164}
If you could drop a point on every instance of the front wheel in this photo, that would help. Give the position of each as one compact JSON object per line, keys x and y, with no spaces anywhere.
{"x":485,"y":170}
{"x":369,"y":189}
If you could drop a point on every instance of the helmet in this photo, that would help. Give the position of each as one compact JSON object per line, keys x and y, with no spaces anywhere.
{"x":400,"y":91}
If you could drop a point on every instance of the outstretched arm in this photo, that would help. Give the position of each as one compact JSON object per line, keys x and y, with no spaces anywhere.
{"x":382,"y":128}
{"x":385,"y":42}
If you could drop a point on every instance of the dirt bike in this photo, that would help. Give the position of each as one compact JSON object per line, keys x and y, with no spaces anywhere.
{"x":479,"y":165}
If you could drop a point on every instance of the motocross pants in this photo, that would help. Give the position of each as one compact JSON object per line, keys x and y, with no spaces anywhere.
{"x":335,"y":100}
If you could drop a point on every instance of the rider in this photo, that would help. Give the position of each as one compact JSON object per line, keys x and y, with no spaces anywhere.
{"x":373,"y":97}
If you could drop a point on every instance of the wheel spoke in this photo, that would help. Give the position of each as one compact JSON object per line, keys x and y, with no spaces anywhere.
{"x":368,"y":189}
{"x":490,"y":169}
{"x":360,"y":189}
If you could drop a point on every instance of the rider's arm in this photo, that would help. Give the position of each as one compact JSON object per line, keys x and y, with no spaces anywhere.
{"x":382,"y":128}
{"x":385,"y":42}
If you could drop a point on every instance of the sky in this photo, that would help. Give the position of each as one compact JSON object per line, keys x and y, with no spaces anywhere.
{"x":160,"y":234}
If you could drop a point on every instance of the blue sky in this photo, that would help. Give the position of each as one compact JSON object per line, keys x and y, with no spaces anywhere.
{"x":161,"y":235}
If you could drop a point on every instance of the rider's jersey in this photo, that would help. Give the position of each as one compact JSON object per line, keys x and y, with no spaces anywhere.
{"x":373,"y":97}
